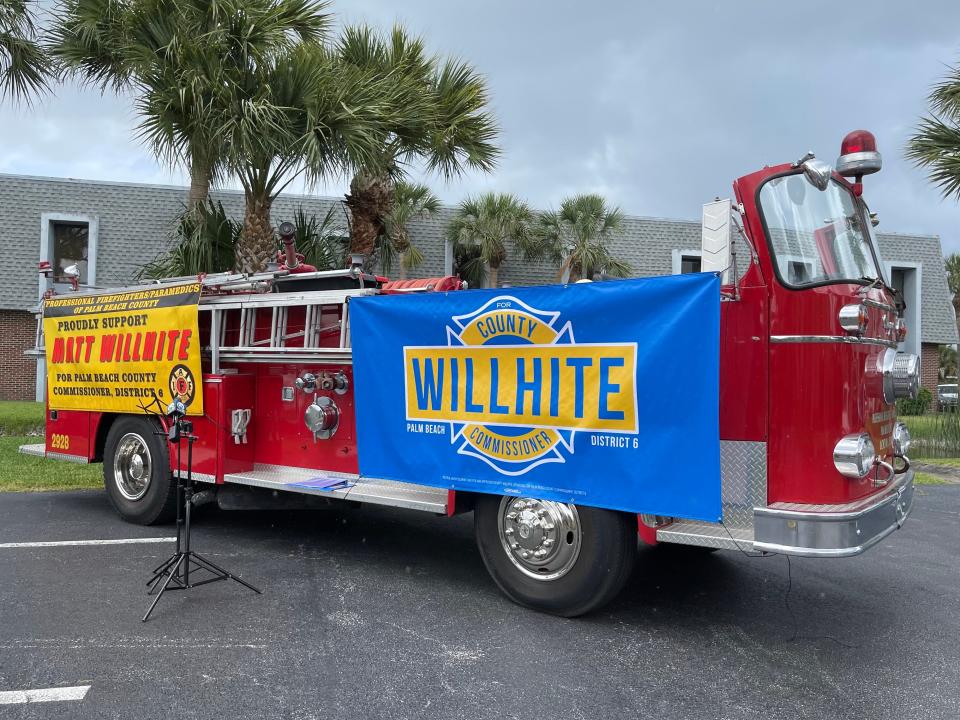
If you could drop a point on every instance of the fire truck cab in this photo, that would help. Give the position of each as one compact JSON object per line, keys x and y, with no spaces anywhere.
{"x":813,"y":460}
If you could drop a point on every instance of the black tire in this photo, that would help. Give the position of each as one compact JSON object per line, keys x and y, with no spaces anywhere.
{"x":605,"y":561}
{"x":131,"y":436}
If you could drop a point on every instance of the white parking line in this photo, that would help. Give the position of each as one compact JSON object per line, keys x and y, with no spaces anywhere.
{"x":19,"y":697}
{"x":60,"y":543}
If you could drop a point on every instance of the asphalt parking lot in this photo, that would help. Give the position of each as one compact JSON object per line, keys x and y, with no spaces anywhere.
{"x":380,"y":613}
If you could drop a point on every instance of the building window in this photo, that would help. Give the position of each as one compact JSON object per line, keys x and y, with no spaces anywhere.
{"x":798,"y":273}
{"x":68,"y":241}
{"x":689,"y":264}
{"x":685,"y":260}
{"x":70,"y":247}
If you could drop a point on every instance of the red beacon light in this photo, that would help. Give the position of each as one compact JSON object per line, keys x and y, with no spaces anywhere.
{"x":858,"y":155}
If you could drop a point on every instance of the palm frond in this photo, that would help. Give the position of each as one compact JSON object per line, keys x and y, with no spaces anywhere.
{"x":496,"y":224}
{"x":439,"y":110}
{"x":411,"y":201}
{"x":25,"y":66}
{"x":469,"y":266}
{"x":322,"y":241}
{"x":202,"y":241}
{"x":577,"y":234}
{"x":935,"y":146}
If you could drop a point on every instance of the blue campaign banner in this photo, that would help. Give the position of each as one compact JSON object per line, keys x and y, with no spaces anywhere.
{"x":602,"y":394}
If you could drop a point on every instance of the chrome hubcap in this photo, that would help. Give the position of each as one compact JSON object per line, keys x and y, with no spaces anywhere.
{"x":541,"y":538}
{"x":131,"y":467}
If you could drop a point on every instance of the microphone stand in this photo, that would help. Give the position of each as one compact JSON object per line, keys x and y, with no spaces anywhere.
{"x":175,"y":571}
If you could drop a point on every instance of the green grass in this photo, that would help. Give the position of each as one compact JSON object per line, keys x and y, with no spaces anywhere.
{"x":934,"y":436}
{"x":951,"y":462}
{"x":21,"y":418}
{"x":20,"y":473}
{"x":925,"y":479}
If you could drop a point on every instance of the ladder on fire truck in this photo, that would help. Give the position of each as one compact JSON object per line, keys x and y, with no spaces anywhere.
{"x":249,"y":296}
{"x":242,"y":302}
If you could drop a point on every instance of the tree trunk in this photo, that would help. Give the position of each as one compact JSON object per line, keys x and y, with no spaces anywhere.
{"x":199,"y":185}
{"x":369,"y":199}
{"x":402,"y":272}
{"x":492,"y":276}
{"x":256,"y":246}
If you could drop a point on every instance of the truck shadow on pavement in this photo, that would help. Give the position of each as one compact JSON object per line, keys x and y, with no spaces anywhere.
{"x":442,"y":550}
{"x":375,"y":549}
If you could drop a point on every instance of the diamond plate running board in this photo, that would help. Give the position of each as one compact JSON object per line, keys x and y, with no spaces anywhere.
{"x":704,"y":534}
{"x":367,"y":490}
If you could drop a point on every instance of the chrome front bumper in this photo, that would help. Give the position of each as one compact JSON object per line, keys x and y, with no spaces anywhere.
{"x":833,"y":530}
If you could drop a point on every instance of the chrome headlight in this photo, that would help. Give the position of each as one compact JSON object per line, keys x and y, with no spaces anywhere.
{"x":901,"y":439}
{"x":901,"y":375}
{"x":854,"y":456}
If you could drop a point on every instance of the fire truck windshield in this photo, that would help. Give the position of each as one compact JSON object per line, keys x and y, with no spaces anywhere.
{"x":817,"y":237}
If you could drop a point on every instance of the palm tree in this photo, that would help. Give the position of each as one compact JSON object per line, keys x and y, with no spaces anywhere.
{"x":935,"y":145}
{"x":952,"y":264}
{"x":24,"y":65}
{"x":491,"y":223}
{"x":577,"y":236}
{"x":298,"y":113}
{"x":175,"y":56}
{"x":441,"y":121}
{"x":468,"y":265}
{"x":410,"y":202}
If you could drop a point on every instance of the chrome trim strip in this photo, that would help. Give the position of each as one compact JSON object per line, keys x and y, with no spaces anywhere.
{"x":835,"y":534}
{"x":821,"y":552}
{"x":847,"y":339}
{"x":879,"y":305}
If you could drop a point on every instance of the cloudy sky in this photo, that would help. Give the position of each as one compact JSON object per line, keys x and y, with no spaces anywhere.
{"x":657,"y":105}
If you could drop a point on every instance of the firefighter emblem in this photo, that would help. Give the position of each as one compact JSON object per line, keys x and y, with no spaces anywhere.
{"x":182,"y":386}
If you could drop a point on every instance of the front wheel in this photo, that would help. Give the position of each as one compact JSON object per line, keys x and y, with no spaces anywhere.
{"x":558,"y":558}
{"x":136,"y":471}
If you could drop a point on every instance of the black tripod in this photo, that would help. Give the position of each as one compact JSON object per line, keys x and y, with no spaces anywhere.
{"x":176,"y":569}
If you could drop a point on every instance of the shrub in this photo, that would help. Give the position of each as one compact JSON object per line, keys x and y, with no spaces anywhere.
{"x":203,"y":240}
{"x":323,"y":242}
{"x":919,"y":406}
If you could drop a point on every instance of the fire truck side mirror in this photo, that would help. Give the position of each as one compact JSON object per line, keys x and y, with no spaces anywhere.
{"x":715,"y":238}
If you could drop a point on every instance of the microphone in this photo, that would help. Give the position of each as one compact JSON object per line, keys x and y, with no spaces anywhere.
{"x":176,"y":409}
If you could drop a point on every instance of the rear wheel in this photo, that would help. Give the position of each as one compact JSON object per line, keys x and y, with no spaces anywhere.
{"x":136,"y":472}
{"x":554,"y":557}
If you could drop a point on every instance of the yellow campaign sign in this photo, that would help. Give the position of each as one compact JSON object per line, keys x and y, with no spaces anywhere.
{"x":132,"y":351}
{"x":577,"y":387}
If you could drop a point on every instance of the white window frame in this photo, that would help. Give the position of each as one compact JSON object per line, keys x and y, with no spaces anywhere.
{"x":677,"y":256}
{"x":46,"y":237}
{"x":914,"y":341}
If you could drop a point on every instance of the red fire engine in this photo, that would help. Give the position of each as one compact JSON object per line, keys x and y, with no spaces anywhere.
{"x":813,"y":461}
